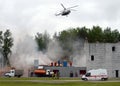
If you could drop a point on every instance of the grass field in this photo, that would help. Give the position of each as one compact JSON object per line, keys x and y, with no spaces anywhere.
{"x":36,"y":78}
{"x":51,"y":82}
{"x":24,"y":83}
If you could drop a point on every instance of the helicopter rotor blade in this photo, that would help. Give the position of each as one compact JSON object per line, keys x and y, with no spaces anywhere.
{"x":73,"y":10}
{"x":63,"y":6}
{"x":73,"y":6}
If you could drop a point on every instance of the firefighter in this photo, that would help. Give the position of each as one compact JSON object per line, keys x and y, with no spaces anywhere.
{"x":53,"y":75}
{"x":71,"y":74}
{"x":58,"y":74}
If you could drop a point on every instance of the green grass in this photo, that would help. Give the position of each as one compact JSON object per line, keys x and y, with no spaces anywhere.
{"x":36,"y":81}
{"x":36,"y":78}
{"x":26,"y":83}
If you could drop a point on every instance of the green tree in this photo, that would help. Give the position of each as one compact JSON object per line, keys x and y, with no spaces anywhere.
{"x":42,"y":40}
{"x":67,"y":39}
{"x":82,"y":32}
{"x":115,"y":36}
{"x":108,"y":35}
{"x":55,"y":36}
{"x":95,"y":34}
{"x":6,"y":47}
{"x":111,"y":36}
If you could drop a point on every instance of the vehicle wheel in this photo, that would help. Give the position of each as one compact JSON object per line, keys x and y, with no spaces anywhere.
{"x":18,"y":76}
{"x":85,"y":79}
{"x":7,"y":76}
{"x":103,"y":79}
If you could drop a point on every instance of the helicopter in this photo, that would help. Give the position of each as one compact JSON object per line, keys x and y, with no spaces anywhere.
{"x":66,"y":11}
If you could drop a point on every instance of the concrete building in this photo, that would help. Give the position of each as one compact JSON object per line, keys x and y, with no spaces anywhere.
{"x":103,"y":55}
{"x":96,"y":55}
{"x":67,"y":71}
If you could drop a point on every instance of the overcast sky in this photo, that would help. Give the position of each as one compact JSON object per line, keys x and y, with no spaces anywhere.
{"x":32,"y":16}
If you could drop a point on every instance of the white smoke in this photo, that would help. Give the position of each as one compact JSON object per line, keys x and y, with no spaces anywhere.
{"x":78,"y":56}
{"x":54,"y":50}
{"x":25,"y":53}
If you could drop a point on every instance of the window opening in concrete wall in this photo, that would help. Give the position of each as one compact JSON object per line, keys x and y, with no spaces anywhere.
{"x":113,"y":48}
{"x":117,"y":73}
{"x":92,"y":57}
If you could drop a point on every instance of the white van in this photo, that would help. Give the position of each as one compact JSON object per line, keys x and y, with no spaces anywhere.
{"x":95,"y":74}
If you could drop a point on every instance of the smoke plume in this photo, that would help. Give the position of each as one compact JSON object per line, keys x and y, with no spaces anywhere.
{"x":78,"y":57}
{"x":25,"y":52}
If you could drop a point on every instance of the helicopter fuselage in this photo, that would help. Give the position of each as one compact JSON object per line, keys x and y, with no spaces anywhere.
{"x":65,"y":12}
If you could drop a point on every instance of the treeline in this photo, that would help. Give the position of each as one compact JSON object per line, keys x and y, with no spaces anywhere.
{"x":93,"y":35}
{"x":66,"y":37}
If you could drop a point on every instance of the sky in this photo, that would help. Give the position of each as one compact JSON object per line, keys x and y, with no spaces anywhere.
{"x":32,"y":16}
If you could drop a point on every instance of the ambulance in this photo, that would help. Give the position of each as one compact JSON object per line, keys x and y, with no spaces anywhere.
{"x":95,"y":74}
